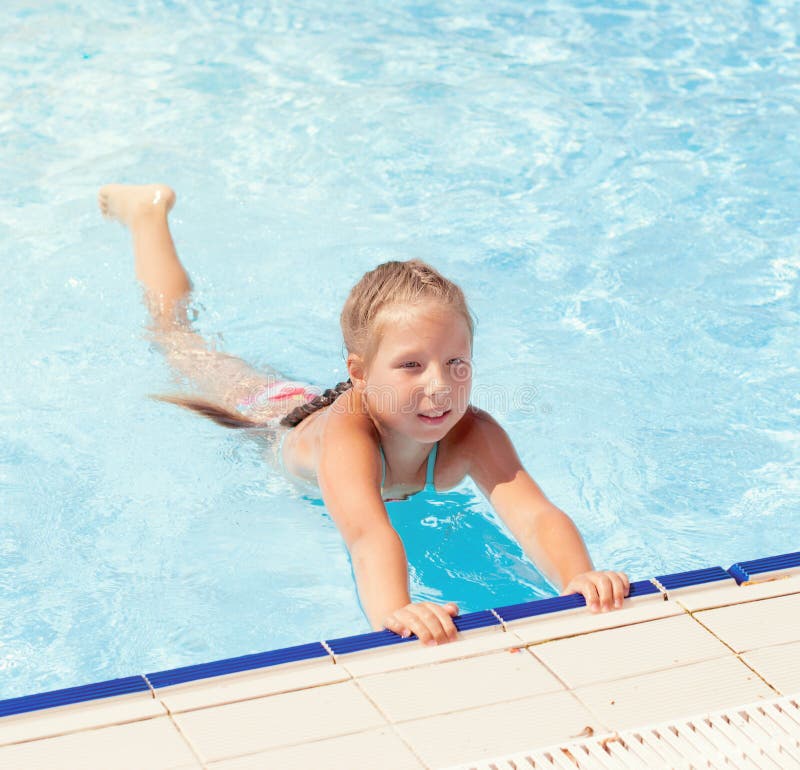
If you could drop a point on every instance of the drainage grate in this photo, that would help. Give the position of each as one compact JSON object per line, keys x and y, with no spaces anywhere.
{"x":762,"y":735}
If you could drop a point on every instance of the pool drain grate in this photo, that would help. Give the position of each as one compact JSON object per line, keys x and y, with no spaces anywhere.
{"x":761,"y":735}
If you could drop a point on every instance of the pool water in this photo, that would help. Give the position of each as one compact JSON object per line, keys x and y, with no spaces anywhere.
{"x":614,"y":185}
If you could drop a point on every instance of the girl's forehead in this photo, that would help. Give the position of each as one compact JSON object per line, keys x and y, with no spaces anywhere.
{"x":426,"y":323}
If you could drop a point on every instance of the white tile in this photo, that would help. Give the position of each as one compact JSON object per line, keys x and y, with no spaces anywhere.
{"x":278,"y":720}
{"x":628,"y":651}
{"x":412,"y":654}
{"x":682,"y":691}
{"x":756,"y":624}
{"x":371,"y":749}
{"x":558,"y":625}
{"x":726,"y":593}
{"x":504,"y":728}
{"x":779,"y":665}
{"x":154,"y":744}
{"x":79,"y":716}
{"x":443,"y":687}
{"x":249,"y":684}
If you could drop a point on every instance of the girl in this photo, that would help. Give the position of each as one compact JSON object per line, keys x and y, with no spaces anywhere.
{"x":400,"y":423}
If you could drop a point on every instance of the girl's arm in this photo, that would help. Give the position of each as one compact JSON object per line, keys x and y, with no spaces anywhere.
{"x":348,"y":472}
{"x":547,"y":535}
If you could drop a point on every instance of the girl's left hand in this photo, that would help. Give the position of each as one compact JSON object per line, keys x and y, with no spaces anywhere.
{"x":603,"y":590}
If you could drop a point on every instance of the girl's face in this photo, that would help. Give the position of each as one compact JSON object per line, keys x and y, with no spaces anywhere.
{"x":420,"y":380}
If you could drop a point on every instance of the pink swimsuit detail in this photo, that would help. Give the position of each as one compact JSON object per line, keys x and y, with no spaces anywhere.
{"x":277,"y":391}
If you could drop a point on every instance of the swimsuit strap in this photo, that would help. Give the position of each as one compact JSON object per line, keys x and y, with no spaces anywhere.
{"x":431,"y":463}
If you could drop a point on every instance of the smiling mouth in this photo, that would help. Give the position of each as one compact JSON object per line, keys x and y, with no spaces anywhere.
{"x":435,"y":415}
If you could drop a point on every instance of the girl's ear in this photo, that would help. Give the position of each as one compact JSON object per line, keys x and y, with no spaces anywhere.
{"x":357,"y":371}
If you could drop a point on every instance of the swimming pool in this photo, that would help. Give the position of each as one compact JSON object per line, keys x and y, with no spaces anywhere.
{"x":613,"y":185}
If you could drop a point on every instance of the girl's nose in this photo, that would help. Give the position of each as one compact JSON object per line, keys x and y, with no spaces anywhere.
{"x":437,"y":386}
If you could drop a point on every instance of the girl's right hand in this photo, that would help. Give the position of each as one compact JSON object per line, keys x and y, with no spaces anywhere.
{"x":432,"y":623}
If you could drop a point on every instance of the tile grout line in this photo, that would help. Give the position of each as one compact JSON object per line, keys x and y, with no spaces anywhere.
{"x":574,"y":695}
{"x":304,"y":742}
{"x":389,"y":722}
{"x":735,"y":653}
{"x":171,"y":718}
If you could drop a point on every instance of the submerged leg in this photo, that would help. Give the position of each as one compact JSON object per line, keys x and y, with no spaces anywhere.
{"x":219,"y":377}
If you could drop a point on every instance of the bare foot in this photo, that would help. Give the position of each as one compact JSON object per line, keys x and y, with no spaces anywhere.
{"x":126,"y":202}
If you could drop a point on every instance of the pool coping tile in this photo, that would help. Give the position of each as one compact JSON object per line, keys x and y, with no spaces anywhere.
{"x":343,"y":752}
{"x":156,"y":744}
{"x":753,"y":625}
{"x":277,"y":721}
{"x":458,"y":685}
{"x":75,"y":717}
{"x":779,"y":665}
{"x":246,"y":685}
{"x":674,"y":692}
{"x":613,"y":654}
{"x":483,"y":733}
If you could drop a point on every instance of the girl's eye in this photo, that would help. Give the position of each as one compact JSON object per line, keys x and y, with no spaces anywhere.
{"x":408,"y":364}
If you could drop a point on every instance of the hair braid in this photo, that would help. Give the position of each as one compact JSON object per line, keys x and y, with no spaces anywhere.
{"x":299,"y":414}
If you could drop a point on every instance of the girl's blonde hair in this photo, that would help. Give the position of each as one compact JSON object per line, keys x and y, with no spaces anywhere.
{"x":390,"y":291}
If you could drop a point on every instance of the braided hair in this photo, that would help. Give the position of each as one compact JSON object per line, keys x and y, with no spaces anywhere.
{"x":299,"y":414}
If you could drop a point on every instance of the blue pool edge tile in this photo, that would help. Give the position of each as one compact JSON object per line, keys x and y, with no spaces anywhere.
{"x":691,"y":578}
{"x":70,"y":695}
{"x":743,"y":571}
{"x":374,"y":639}
{"x":238,"y":664}
{"x":554,"y":604}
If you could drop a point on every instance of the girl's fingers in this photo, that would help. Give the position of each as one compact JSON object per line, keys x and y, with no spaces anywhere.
{"x":619,"y":587}
{"x":448,"y":627}
{"x":393,"y":624}
{"x":605,"y":591}
{"x":589,"y":592}
{"x":428,"y":621}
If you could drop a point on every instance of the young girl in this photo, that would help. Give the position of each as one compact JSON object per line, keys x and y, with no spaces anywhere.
{"x":400,"y":423}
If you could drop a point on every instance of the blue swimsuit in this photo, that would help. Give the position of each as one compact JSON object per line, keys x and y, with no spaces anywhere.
{"x":428,"y":479}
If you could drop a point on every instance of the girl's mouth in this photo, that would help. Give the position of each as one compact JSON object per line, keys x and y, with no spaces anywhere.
{"x":434,"y":420}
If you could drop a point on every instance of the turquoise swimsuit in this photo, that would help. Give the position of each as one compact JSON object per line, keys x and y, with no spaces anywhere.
{"x":428,"y":479}
{"x":429,"y":487}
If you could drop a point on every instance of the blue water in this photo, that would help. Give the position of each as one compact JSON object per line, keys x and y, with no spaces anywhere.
{"x":614,"y":185}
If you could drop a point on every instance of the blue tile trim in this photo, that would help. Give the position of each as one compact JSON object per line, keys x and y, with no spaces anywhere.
{"x":746,"y":570}
{"x":346,"y":644}
{"x":642,"y":588}
{"x":540,"y":607}
{"x":84,"y":692}
{"x":561,"y":603}
{"x":692,"y":578}
{"x":241,"y":663}
{"x":473,"y":620}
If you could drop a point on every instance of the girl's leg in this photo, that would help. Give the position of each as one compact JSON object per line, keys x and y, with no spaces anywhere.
{"x":220,"y":377}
